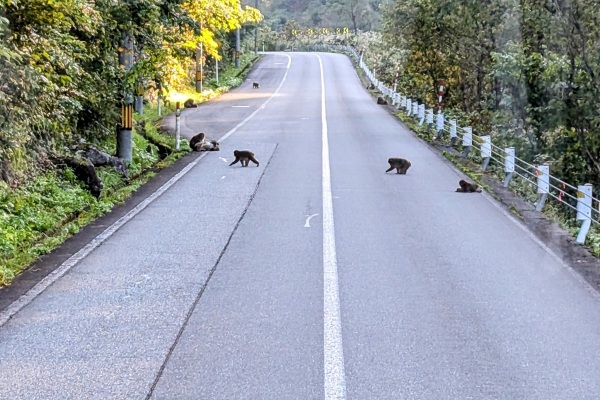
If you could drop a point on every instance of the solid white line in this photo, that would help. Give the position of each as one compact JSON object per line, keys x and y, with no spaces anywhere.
{"x":42,"y":285}
{"x":335,"y":379}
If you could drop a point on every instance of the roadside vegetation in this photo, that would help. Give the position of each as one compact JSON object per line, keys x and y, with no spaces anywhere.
{"x":61,"y":90}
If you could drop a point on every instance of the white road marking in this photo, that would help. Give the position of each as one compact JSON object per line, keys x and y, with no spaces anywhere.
{"x":223,"y":159}
{"x":225,"y":136}
{"x":308,"y":218}
{"x":42,"y":285}
{"x":335,"y":377}
{"x":240,"y":106}
{"x":223,"y":177}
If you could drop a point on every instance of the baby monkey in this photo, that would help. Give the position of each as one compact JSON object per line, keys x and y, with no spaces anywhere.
{"x":255,"y":85}
{"x":400,"y":164}
{"x":244,"y":156}
{"x":466,"y":187}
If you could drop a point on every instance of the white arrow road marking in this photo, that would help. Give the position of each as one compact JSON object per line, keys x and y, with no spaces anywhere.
{"x":308,"y":218}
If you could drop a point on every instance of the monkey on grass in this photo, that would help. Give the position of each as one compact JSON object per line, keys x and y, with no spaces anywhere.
{"x":189,"y":103}
{"x":466,"y":187}
{"x":197,"y":143}
{"x":400,"y":164}
{"x":255,"y":85}
{"x":244,"y":156}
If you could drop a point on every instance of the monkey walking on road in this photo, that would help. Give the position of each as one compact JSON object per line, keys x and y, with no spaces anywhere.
{"x":255,"y":85}
{"x":244,"y":156}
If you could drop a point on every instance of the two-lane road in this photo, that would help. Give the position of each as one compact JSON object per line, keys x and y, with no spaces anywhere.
{"x":315,"y":275}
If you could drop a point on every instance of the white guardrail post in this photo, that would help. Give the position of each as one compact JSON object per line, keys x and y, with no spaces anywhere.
{"x":408,"y":106}
{"x":415,"y":109}
{"x":486,"y":151}
{"x":421,"y":114}
{"x":467,"y":140}
{"x":429,"y":119}
{"x":509,"y":164}
{"x":439,"y":125}
{"x":177,"y":126}
{"x":584,"y":210}
{"x":543,"y":185}
{"x":453,"y":136}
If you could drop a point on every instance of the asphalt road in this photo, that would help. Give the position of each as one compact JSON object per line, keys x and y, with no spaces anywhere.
{"x":315,"y":275}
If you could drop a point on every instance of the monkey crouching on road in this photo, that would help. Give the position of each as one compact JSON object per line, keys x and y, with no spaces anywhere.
{"x":382,"y":101}
{"x":400,"y":164}
{"x":466,"y":187}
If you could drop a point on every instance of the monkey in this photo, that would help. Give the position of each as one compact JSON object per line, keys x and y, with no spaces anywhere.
{"x":211,"y":145}
{"x":196,"y":139}
{"x":197,"y":143}
{"x":189,"y":103}
{"x":244,"y":156}
{"x":85,"y":171}
{"x":400,"y":164}
{"x":382,"y":101}
{"x":466,"y":187}
{"x":255,"y":85}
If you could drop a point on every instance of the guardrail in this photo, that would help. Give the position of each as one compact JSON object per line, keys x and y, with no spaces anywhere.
{"x":578,"y":198}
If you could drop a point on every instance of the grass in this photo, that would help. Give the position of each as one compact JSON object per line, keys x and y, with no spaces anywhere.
{"x":40,"y":215}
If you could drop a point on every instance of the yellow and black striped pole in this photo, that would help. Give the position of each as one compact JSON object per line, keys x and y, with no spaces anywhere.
{"x":124,"y":133}
{"x":127,"y":116}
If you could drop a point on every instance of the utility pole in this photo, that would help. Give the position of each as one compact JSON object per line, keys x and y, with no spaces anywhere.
{"x":256,"y":31}
{"x":237,"y":48}
{"x":124,"y":130}
{"x":199,"y":67}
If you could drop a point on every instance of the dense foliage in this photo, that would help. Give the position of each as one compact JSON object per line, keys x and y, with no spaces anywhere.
{"x":357,"y":15}
{"x":60,"y":79}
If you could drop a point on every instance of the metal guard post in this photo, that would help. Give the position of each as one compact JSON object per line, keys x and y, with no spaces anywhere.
{"x":584,"y":210}
{"x":177,"y":126}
